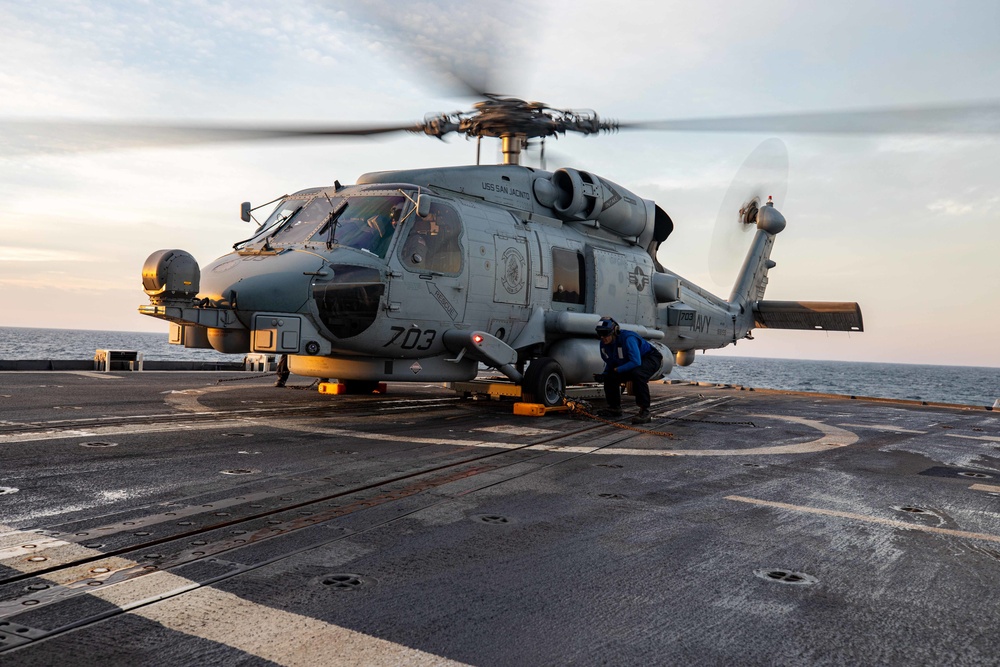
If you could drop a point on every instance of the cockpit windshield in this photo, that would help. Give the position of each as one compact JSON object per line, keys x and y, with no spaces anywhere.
{"x":282,"y":212}
{"x":302,"y":222}
{"x":366,"y":222}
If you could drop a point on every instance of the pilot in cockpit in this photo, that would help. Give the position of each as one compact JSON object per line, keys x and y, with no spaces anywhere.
{"x":432,"y":243}
{"x":415,"y":248}
{"x":383,"y":229}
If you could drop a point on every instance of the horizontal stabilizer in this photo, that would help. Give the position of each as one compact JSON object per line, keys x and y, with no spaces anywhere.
{"x":819,"y":315}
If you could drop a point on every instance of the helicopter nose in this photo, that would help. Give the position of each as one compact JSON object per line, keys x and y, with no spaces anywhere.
{"x":347,"y":297}
{"x":259,"y":283}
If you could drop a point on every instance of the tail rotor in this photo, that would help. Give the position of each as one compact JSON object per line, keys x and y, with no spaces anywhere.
{"x":763,"y":176}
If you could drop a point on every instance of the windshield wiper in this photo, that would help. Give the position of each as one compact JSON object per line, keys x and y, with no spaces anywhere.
{"x":331,"y":223}
{"x":280,"y":224}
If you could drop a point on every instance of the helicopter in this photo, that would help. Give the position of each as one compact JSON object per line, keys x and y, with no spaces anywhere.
{"x":426,"y":274}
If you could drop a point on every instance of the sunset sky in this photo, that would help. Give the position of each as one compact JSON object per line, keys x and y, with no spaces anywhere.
{"x":907,"y":225}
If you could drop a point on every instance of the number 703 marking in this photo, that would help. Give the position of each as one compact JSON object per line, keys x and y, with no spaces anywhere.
{"x":418,"y":339}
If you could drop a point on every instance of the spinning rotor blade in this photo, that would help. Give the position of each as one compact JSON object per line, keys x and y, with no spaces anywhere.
{"x":971,"y":118}
{"x":27,"y":137}
{"x":455,"y":41}
{"x":764,"y":173}
{"x":547,"y":158}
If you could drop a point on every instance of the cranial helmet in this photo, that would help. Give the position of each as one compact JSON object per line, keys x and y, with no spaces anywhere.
{"x":607,"y":326}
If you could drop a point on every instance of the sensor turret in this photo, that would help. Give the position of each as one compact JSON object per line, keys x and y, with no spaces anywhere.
{"x":171,"y":277}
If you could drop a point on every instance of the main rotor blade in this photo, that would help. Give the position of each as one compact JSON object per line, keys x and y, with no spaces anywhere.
{"x":31,"y":136}
{"x":471,"y":50}
{"x":971,"y":118}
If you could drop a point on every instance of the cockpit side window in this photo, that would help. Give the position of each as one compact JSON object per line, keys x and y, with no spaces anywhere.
{"x":433,"y":243}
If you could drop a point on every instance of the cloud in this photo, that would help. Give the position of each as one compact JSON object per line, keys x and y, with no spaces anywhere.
{"x":950,"y":207}
{"x":16,"y":254}
{"x":53,"y":282}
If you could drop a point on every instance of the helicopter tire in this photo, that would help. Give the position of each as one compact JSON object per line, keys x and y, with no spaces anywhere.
{"x":355,"y":387}
{"x":544,"y":382}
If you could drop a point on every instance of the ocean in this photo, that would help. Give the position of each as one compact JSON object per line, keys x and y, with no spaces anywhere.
{"x":967,"y":385}
{"x":935,"y":384}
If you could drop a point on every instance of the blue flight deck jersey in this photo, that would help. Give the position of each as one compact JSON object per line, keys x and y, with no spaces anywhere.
{"x":628,"y":347}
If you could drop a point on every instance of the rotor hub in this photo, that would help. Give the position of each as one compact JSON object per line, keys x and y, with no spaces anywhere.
{"x":509,"y":116}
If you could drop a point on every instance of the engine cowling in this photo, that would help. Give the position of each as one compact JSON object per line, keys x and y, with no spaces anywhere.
{"x":580,"y":195}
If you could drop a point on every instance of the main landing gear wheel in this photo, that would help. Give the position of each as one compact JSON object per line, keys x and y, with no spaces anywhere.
{"x":360,"y":386}
{"x":544,"y":382}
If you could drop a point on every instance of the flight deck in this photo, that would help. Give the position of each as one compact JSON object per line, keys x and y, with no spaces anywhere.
{"x":183,"y":518}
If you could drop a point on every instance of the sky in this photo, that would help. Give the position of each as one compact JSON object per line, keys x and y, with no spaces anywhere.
{"x":906,"y":225}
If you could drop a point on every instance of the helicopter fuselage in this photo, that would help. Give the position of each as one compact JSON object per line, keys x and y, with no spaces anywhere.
{"x":423,"y":275}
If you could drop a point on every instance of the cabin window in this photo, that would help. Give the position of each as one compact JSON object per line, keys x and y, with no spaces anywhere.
{"x":433,"y":244}
{"x":567,"y":276}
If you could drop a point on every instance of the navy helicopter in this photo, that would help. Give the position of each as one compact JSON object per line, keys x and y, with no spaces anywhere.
{"x":427,"y":274}
{"x":423,"y":275}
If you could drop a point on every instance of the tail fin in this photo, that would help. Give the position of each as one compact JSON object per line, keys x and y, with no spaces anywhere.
{"x":750,"y":310}
{"x":752,"y":278}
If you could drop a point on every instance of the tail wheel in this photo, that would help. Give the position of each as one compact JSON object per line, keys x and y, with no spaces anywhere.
{"x":544,"y":382}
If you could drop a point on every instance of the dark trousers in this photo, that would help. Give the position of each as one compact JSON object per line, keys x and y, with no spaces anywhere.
{"x":639,"y":377}
{"x":282,"y":370}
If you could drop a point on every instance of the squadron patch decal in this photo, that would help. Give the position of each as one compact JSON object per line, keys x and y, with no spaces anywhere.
{"x":513,"y":271}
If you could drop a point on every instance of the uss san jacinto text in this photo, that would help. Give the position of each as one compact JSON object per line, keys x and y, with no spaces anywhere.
{"x":504,"y":190}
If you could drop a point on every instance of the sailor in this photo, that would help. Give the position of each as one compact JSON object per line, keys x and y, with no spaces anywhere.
{"x":282,"y":371}
{"x":628,"y":357}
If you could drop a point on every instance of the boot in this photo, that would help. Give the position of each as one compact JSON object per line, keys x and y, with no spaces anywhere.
{"x":610,"y":413}
{"x":643,"y":417}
